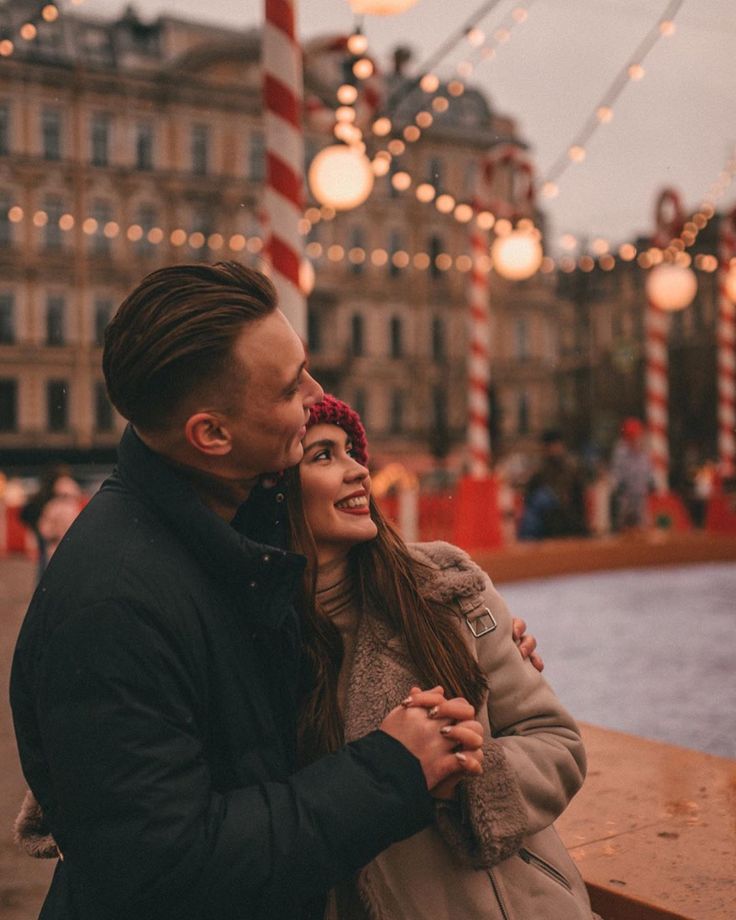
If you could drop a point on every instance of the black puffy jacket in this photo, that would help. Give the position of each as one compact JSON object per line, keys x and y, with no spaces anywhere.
{"x":154,"y":698}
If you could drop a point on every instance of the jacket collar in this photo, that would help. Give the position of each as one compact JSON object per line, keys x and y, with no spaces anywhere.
{"x":250,"y":569}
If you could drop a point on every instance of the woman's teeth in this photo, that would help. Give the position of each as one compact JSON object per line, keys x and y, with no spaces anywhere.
{"x":359,"y":502}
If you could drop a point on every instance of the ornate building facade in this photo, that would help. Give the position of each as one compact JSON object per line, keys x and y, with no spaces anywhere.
{"x":128,"y":145}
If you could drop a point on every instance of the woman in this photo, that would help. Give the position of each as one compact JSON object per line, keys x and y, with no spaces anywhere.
{"x":382,"y":618}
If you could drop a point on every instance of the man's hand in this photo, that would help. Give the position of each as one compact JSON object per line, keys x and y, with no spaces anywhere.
{"x":526,"y":644}
{"x":442,"y":734}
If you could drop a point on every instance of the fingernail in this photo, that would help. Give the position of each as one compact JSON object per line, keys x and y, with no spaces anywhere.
{"x":461,"y":757}
{"x":446,"y":729}
{"x":407,"y":702}
{"x":432,"y":713}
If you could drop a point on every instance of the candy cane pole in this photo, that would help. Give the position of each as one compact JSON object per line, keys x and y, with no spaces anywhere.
{"x":657,"y":392}
{"x":668,"y":220}
{"x":282,"y":101}
{"x":479,"y":373}
{"x":726,"y":353}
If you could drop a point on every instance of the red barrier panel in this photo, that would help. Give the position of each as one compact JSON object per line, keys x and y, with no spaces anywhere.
{"x":720,"y":516}
{"x":477,"y":518}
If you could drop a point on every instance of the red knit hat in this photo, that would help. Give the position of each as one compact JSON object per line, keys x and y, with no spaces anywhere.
{"x":333,"y":411}
{"x":632,"y":428}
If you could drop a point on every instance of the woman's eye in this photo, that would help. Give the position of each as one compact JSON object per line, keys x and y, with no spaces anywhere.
{"x":322,"y":455}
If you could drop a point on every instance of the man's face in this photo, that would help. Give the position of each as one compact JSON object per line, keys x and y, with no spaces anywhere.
{"x":267,"y":421}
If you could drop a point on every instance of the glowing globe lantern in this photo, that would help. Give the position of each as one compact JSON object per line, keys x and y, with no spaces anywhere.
{"x":517,"y":255}
{"x":671,"y":287}
{"x":731,"y":284}
{"x":341,"y":177}
{"x":380,"y":7}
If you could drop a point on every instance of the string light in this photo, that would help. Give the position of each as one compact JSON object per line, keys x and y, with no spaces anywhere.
{"x":632,"y":70}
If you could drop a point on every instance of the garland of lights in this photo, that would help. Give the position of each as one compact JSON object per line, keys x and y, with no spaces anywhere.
{"x":603,"y":112}
{"x":28,"y":30}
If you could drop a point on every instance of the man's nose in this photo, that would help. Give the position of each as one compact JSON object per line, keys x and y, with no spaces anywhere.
{"x":315,"y":393}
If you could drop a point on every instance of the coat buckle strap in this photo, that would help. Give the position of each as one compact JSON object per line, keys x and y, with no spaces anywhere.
{"x":482,"y":623}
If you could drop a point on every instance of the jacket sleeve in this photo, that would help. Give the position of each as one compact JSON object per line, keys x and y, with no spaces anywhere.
{"x":534,"y":761}
{"x":142,"y":828}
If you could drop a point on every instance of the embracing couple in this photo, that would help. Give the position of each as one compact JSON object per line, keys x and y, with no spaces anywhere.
{"x":239,"y":694}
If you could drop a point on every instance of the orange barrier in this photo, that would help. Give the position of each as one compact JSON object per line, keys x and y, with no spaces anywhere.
{"x":667,"y":512}
{"x":477,"y":518}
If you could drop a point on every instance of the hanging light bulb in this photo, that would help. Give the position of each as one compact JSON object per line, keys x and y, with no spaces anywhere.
{"x":357,"y":43}
{"x":671,"y":287}
{"x":517,"y":255}
{"x":341,"y":177}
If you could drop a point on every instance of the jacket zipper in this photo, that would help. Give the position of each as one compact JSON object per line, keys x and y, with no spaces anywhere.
{"x":533,"y":860}
{"x":504,"y":913}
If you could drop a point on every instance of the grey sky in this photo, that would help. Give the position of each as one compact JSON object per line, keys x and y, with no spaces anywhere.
{"x":674,"y":127}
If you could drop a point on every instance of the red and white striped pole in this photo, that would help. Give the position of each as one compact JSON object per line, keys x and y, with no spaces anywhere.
{"x":657,"y":392}
{"x":668,"y":219}
{"x":726,"y":353}
{"x":479,"y":358}
{"x":284,"y":198}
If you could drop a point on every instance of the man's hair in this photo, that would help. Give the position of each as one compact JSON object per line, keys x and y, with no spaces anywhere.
{"x":173,"y":337}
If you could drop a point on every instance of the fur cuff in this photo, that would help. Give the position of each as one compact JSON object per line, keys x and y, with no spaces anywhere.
{"x":31,"y":832}
{"x":491,"y":822}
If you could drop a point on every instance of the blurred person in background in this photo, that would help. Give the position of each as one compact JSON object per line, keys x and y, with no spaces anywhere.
{"x":632,"y":476}
{"x":51,"y":511}
{"x":554,"y":502}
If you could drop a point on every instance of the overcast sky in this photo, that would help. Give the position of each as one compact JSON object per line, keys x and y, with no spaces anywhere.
{"x":675,"y":127}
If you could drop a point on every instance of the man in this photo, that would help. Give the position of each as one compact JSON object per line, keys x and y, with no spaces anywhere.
{"x":154,"y":685}
{"x":554,"y":503}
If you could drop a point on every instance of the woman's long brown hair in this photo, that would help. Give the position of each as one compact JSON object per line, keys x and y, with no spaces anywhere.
{"x":386,"y":579}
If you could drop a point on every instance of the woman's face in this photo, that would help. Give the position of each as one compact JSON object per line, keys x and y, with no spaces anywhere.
{"x":335,"y":492}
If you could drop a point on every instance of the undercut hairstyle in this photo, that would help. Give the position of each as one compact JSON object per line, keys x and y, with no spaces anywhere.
{"x":172,"y":338}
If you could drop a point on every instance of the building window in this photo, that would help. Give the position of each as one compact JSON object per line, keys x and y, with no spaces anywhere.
{"x":57,"y":405}
{"x":356,"y":250}
{"x":200,"y":149}
{"x":360,"y":404}
{"x":51,"y":134}
{"x":435,"y":248}
{"x":396,"y":412}
{"x":103,"y":408}
{"x":439,"y":409}
{"x":7,"y":319}
{"x":6,"y":228}
{"x":438,"y":339}
{"x":314,"y":330}
{"x":434,"y":173}
{"x":52,"y":232}
{"x":100,"y":139}
{"x":396,"y":344}
{"x":8,"y":405}
{"x":55,"y":319}
{"x":144,"y":146}
{"x":4,"y":130}
{"x":357,"y":344}
{"x":522,"y":413}
{"x":146,"y":220}
{"x":102,"y":213}
{"x":395,"y":244}
{"x":102,"y":314}
{"x":257,"y":157}
{"x":521,"y":339}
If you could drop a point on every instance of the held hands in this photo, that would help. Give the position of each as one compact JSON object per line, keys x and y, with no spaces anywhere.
{"x":442,"y":734}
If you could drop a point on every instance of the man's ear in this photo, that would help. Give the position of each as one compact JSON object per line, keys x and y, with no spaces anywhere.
{"x":208,"y":433}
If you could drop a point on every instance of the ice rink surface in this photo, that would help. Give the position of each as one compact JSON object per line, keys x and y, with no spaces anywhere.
{"x":647,"y":651}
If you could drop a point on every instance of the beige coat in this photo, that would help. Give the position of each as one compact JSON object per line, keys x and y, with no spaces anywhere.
{"x":494,"y":855}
